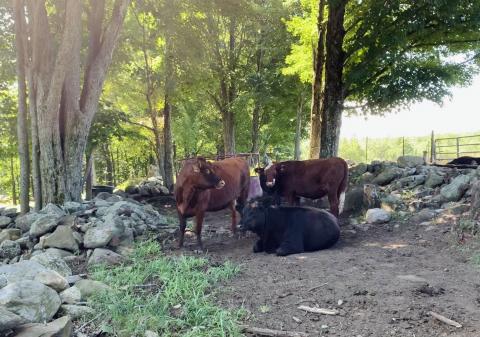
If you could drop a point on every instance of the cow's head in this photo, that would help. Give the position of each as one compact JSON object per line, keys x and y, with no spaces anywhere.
{"x":203,"y":175}
{"x":254,"y":215}
{"x":271,"y":173}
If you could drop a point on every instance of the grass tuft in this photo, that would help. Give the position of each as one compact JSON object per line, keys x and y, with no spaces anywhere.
{"x":169,"y":295}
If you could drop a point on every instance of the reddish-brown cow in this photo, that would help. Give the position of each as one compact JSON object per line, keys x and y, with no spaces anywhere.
{"x":210,"y":186}
{"x":310,"y":179}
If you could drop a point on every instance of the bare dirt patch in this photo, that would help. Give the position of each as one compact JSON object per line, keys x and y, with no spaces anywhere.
{"x":383,"y":281}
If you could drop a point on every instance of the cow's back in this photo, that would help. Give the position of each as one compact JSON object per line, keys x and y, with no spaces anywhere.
{"x":236,"y":174}
{"x":313,"y":178}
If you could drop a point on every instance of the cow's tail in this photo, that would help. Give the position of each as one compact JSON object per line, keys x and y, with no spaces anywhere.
{"x":342,"y":188}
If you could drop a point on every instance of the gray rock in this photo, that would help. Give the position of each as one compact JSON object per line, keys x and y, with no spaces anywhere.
{"x":61,"y":327}
{"x":23,"y":270}
{"x":114,"y":198}
{"x":52,"y":279}
{"x":391,"y":202}
{"x":62,"y":238}
{"x":5,"y":221}
{"x":9,"y":249}
{"x":53,"y":262}
{"x":96,"y":237}
{"x":387,"y":176}
{"x":11,"y":234}
{"x":30,"y":300}
{"x":103,"y":196}
{"x":90,"y":287}
{"x":25,"y":242}
{"x":72,"y":206}
{"x":71,"y":295}
{"x":353,"y":200}
{"x":58,"y":252}
{"x":105,"y":256}
{"x":434,"y":180}
{"x":75,"y":311}
{"x":455,"y":190}
{"x":53,"y":210}
{"x":424,"y":215}
{"x":10,"y":212}
{"x":410,"y":161}
{"x":24,"y":222}
{"x":44,"y":225}
{"x":102,"y":203}
{"x":9,"y":320}
{"x":411,"y":181}
{"x":377,"y":216}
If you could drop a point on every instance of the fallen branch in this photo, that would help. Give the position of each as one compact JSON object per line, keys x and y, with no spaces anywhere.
{"x":319,"y":286}
{"x":321,"y":311}
{"x":444,"y":319}
{"x":272,"y":333}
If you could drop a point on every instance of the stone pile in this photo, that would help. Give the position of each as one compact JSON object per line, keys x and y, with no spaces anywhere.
{"x":150,"y":187}
{"x":410,"y":187}
{"x":36,"y":282}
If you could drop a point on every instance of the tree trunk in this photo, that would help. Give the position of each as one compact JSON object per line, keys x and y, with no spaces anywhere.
{"x":317,"y":84}
{"x":14,"y":183}
{"x":167,"y":111}
{"x":108,"y":165}
{"x":22,"y":133}
{"x":334,"y":96}
{"x":63,"y":107}
{"x":89,"y":174}
{"x":256,"y":128}
{"x":298,"y":128}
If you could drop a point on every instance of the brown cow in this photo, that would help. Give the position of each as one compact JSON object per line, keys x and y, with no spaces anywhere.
{"x":310,"y":179}
{"x":203,"y":186}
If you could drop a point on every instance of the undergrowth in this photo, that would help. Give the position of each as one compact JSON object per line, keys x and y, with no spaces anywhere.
{"x":169,"y":295}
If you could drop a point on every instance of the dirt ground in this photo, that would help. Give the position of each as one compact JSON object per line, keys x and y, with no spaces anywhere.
{"x":383,"y":281}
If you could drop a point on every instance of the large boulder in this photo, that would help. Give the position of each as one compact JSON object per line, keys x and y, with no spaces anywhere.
{"x":387,"y":176}
{"x":96,"y":237}
{"x":62,"y":238}
{"x":53,"y":210}
{"x":410,"y":181}
{"x":9,"y":320}
{"x":90,"y":287}
{"x":24,"y":222}
{"x":423,"y":216}
{"x":377,"y":216}
{"x":75,"y":311}
{"x":410,"y":161}
{"x":53,"y":262}
{"x":4,"y":221}
{"x":9,"y":211}
{"x":44,"y":225}
{"x":61,"y":327}
{"x":11,"y":234}
{"x":433,"y":180}
{"x":9,"y":249}
{"x":23,"y":270}
{"x":456,"y":189}
{"x":105,"y":256}
{"x":72,"y":206}
{"x":392,"y":202}
{"x":71,"y":295}
{"x":31,"y":300}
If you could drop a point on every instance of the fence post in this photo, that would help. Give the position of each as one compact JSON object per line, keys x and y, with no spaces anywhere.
{"x":432,"y":148}
{"x":403,"y":146}
{"x":458,"y":147}
{"x":366,"y":150}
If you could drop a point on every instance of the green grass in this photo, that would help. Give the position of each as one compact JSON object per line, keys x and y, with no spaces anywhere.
{"x":169,"y":295}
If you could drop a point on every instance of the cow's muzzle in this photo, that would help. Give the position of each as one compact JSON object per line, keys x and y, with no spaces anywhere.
{"x":220,"y":185}
{"x":270,"y":183}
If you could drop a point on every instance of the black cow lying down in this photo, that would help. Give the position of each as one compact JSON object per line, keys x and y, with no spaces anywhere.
{"x":289,"y":230}
{"x":465,"y":160}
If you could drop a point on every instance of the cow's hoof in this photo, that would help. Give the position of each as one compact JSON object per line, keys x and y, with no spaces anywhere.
{"x":281,"y":252}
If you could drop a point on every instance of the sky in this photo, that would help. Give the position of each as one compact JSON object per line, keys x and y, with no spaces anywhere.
{"x":458,"y":114}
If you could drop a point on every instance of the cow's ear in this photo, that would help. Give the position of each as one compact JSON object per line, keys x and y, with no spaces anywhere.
{"x":196,"y":169}
{"x":259,"y":170}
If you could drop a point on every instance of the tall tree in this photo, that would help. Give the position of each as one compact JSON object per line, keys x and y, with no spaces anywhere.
{"x":317,"y":83}
{"x":63,"y":101}
{"x":22,"y":132}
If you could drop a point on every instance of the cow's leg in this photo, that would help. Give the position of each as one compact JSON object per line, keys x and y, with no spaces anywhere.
{"x":234,"y":217}
{"x":181,"y":234}
{"x":333,"y":201}
{"x":293,"y":200}
{"x":198,"y":228}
